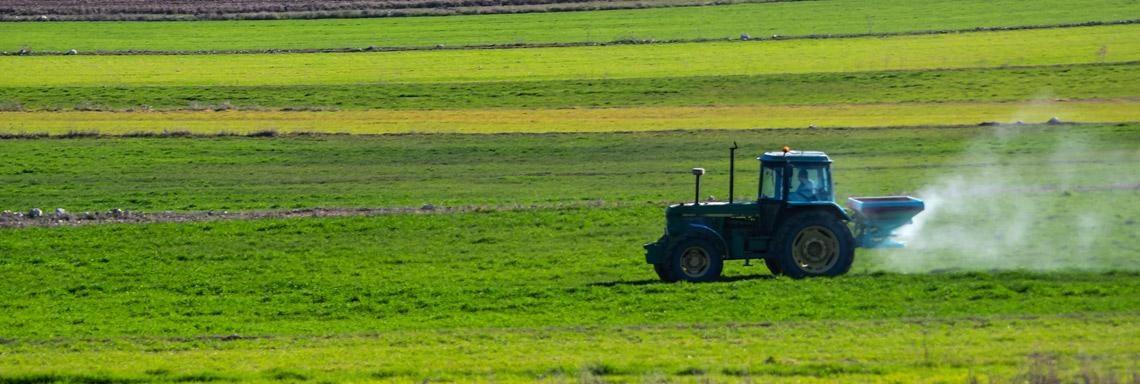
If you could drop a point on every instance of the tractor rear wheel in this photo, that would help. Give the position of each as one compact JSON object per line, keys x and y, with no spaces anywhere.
{"x":814,"y":244}
{"x":696,"y":260}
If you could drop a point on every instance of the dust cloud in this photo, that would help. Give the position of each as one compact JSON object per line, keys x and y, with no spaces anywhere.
{"x":1066,"y":206}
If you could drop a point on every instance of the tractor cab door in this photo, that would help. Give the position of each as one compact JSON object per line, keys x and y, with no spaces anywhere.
{"x":772,"y":192}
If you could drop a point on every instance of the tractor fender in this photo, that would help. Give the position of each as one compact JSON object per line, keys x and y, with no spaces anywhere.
{"x":700,"y":231}
{"x":831,"y":208}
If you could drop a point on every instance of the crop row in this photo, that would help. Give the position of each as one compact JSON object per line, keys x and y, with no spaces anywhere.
{"x":998,"y":84}
{"x":786,"y":19}
{"x":982,"y":49}
{"x":491,"y":121}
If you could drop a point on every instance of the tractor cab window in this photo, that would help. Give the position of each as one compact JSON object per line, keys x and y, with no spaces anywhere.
{"x":770,"y":182}
{"x":809,"y":183}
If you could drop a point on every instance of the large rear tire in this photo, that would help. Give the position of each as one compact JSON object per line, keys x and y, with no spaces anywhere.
{"x":696,"y":260}
{"x":814,"y":244}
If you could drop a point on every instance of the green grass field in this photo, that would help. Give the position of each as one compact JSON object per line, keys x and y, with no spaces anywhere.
{"x":547,"y":294}
{"x":712,"y":22}
{"x":981,"y":49}
{"x":1021,"y":269}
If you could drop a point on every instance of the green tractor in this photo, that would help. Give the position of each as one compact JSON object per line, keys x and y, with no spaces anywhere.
{"x":794,"y":225}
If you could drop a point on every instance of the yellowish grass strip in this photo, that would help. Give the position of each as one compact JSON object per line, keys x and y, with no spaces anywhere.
{"x":572,"y":120}
{"x":1117,"y":43}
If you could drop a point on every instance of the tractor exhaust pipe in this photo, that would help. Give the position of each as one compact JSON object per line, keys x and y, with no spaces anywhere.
{"x":731,"y":170}
{"x":697,"y":194}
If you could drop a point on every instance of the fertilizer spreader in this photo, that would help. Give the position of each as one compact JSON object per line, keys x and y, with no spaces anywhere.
{"x":876,"y":218}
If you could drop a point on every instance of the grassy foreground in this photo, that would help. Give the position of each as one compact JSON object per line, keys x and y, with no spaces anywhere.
{"x":982,"y":49}
{"x":715,"y":22}
{"x":570,"y":120}
{"x":534,"y":268}
{"x":990,"y":349}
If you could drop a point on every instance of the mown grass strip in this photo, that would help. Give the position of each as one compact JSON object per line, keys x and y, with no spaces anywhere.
{"x":710,"y":22}
{"x":998,"y":84}
{"x":982,"y":49}
{"x":947,"y":349}
{"x":238,"y":174}
{"x":570,"y":120}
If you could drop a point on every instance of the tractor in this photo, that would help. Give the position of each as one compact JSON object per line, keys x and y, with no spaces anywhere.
{"x":794,"y":225}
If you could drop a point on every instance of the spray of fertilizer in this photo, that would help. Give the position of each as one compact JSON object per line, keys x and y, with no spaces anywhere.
{"x":1003,"y":211}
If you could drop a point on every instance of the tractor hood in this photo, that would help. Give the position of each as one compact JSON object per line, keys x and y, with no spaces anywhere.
{"x":714,"y":209}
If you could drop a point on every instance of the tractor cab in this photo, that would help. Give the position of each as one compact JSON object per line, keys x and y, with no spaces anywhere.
{"x":795,"y":181}
{"x":796,"y":176}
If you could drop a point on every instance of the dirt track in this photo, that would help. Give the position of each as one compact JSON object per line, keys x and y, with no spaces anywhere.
{"x":20,"y":220}
{"x":14,"y":220}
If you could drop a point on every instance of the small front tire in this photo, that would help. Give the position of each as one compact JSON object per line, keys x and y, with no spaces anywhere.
{"x":664,"y":272}
{"x":696,"y":260}
{"x":773,"y":265}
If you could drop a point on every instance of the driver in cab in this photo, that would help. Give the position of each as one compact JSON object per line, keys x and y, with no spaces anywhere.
{"x":807,"y":189}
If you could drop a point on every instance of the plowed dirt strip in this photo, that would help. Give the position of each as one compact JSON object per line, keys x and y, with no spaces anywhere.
{"x":571,"y":120}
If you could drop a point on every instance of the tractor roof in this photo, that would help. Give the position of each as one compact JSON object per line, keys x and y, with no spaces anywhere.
{"x":796,"y":157}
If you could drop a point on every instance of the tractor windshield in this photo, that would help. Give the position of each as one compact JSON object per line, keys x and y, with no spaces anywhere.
{"x":810,"y":183}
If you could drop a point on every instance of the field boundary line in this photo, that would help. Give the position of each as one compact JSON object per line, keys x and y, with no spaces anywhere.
{"x":17,"y":220}
{"x":270,"y":133}
{"x":180,"y":134}
{"x":573,"y":44}
{"x":912,"y":320}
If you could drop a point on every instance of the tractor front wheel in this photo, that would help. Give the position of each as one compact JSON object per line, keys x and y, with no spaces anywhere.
{"x":664,"y":272}
{"x":814,"y":244}
{"x":773,"y":265}
{"x":696,"y":260}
